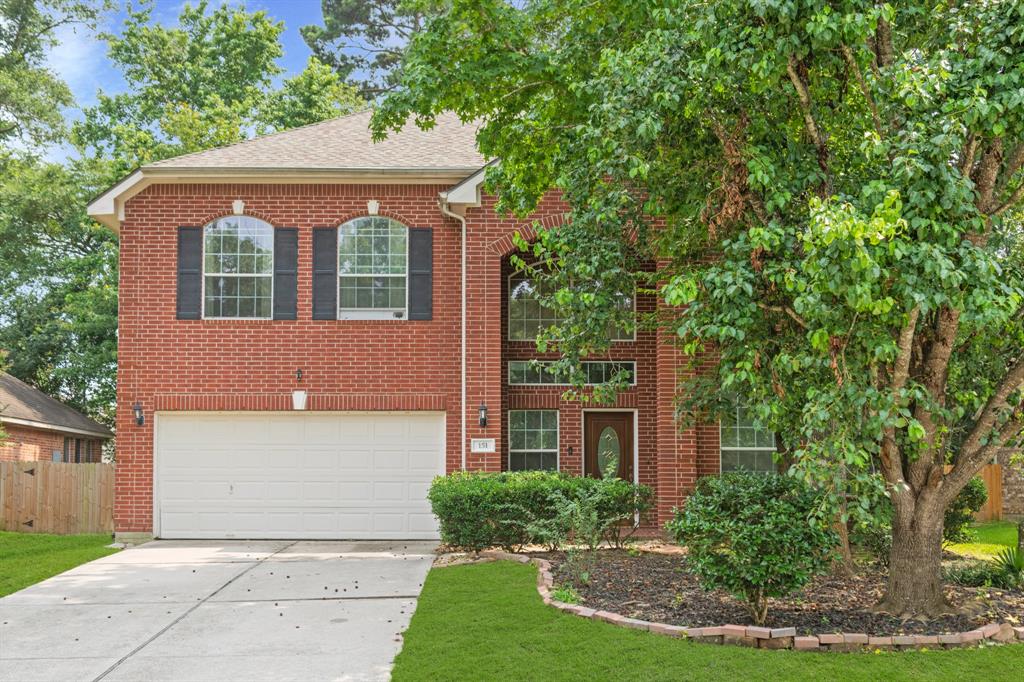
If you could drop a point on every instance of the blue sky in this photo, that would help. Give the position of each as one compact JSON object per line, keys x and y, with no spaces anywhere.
{"x":81,"y":57}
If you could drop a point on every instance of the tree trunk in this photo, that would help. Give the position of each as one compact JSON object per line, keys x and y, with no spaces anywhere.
{"x":843,"y":564}
{"x":915,"y":567}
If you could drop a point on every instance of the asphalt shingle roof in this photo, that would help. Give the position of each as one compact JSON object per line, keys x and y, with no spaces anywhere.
{"x":345,"y":143}
{"x":18,"y":400}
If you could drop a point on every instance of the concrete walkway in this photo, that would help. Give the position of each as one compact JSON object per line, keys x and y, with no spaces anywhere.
{"x":207,"y":610}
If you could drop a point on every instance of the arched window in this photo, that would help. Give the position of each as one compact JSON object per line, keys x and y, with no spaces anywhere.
{"x":372,"y":269}
{"x":528,"y":316}
{"x":238,"y":268}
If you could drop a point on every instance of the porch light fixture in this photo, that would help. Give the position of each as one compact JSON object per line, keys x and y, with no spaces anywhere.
{"x":140,"y":418}
{"x":298,"y":400}
{"x":483,"y":414}
{"x":298,"y":375}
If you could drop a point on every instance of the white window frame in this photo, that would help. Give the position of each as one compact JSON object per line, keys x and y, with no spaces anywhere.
{"x":399,"y":314}
{"x":508,"y":320}
{"x":542,"y":363}
{"x":558,"y":439}
{"x":202,"y":282}
{"x":721,"y":448}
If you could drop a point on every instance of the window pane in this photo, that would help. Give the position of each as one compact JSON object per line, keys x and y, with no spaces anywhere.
{"x":238,"y":263}
{"x":366,"y":247}
{"x":533,"y":439}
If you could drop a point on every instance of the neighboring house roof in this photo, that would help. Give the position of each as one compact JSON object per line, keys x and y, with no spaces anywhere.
{"x":337,"y":150}
{"x":26,"y":406}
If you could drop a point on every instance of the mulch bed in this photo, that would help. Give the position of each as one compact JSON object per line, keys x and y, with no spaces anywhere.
{"x":659,"y":588}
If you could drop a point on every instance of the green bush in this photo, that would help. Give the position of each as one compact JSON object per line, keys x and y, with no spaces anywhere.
{"x":509,"y":509}
{"x":960,"y":513}
{"x":754,"y":535}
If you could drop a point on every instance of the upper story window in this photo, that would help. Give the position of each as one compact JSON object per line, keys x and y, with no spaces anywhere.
{"x":238,"y":268}
{"x":373,"y":257}
{"x":744,"y":445}
{"x":527,"y":316}
{"x":535,"y":372}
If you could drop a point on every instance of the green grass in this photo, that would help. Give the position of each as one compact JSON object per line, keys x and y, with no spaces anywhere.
{"x":487,"y":622}
{"x":27,"y":558}
{"x":989,"y":539}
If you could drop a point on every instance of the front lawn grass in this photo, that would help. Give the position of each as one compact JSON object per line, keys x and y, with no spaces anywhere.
{"x":989,"y":539}
{"x":27,"y":558}
{"x":487,"y":622}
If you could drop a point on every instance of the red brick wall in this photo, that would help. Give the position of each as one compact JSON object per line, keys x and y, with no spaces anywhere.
{"x":1013,"y":483}
{"x":170,"y":364}
{"x":25,"y":444}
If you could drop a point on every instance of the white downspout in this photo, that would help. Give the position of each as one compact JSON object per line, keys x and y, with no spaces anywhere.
{"x":443,"y":204}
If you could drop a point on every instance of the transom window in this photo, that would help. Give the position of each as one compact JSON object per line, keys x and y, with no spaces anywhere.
{"x":238,"y":268}
{"x":745,"y":446}
{"x":535,"y":372}
{"x":533,"y":440}
{"x":372,"y":268}
{"x":527,"y":316}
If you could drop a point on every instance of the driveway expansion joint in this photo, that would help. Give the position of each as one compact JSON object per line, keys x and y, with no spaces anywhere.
{"x":249,"y":567}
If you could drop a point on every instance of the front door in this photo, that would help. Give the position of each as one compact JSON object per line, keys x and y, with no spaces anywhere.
{"x":608,"y":444}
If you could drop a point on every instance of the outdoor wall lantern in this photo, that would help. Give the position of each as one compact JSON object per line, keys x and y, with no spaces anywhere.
{"x":483,"y":414}
{"x":140,"y":418}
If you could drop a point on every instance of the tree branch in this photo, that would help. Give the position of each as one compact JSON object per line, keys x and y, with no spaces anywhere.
{"x":1013,"y":381}
{"x":783,"y":309}
{"x":883,"y":43}
{"x":901,"y":369}
{"x":852,"y":62}
{"x":804,"y":95}
{"x":1017,"y":195}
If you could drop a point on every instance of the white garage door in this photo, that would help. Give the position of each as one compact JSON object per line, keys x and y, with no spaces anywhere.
{"x":296,"y":475}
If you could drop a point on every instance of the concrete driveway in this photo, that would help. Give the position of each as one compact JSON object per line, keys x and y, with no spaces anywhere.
{"x":207,"y":610}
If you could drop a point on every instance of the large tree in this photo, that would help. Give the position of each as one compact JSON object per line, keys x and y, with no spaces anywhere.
{"x":205,"y":82}
{"x":31,"y":94}
{"x":831,"y":189}
{"x":364,"y":40}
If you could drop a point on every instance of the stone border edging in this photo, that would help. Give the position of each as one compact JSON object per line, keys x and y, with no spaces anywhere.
{"x":769,"y":638}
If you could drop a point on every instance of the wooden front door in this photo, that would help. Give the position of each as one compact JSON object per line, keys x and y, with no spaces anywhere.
{"x":608,"y":444}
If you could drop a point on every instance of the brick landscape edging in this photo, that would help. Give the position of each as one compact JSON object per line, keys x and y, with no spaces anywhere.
{"x":772,"y":638}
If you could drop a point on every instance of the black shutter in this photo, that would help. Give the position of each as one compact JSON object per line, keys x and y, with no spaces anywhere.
{"x":421,"y":273}
{"x":286,"y":272}
{"x":190,"y":273}
{"x":325,"y":273}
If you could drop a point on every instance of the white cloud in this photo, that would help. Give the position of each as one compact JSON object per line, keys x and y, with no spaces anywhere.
{"x":80,"y":59}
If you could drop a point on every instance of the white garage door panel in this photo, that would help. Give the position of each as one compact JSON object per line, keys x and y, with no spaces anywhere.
{"x":297,"y":475}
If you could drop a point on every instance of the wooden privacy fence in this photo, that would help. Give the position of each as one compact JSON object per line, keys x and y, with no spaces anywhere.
{"x":992,"y":474}
{"x":53,"y":497}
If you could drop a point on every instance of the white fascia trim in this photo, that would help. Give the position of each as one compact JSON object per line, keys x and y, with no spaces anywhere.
{"x":108,"y":208}
{"x":43,"y":426}
{"x":467,"y":192}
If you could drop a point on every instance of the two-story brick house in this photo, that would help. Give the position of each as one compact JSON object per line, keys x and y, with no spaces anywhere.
{"x":313,"y":326}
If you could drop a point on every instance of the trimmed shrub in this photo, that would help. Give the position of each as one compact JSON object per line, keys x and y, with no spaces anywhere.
{"x":960,"y":513}
{"x":478,"y":510}
{"x":755,"y":536}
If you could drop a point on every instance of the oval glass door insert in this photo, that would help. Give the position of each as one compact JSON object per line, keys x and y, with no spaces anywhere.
{"x":609,"y":452}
